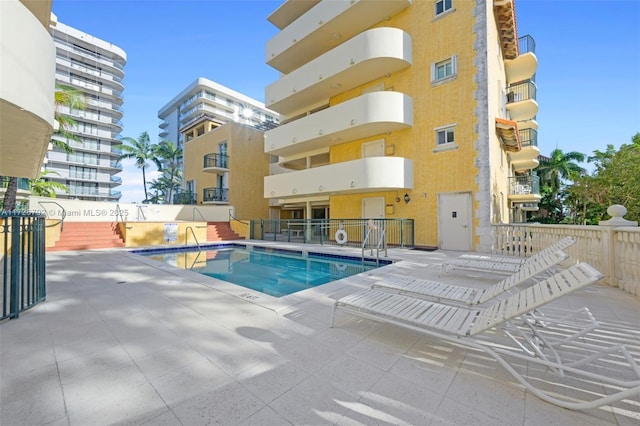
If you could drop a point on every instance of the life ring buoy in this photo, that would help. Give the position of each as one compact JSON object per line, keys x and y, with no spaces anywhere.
{"x":341,"y":236}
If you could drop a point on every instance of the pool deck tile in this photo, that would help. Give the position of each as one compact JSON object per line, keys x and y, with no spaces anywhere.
{"x":125,"y":340}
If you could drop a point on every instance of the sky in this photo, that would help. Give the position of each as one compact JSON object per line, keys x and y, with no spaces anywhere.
{"x":588,"y":53}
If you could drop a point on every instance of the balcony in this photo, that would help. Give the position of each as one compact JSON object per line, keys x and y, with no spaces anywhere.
{"x":524,"y":66}
{"x":524,"y":189}
{"x":521,"y":101}
{"x":367,"y":115}
{"x":216,"y":163}
{"x":289,"y":11}
{"x":368,"y":56}
{"x":358,"y":176}
{"x":527,"y":157}
{"x":215,"y":195}
{"x":116,"y":179}
{"x":324,"y":27}
{"x":184,"y":198}
{"x":26,"y":89}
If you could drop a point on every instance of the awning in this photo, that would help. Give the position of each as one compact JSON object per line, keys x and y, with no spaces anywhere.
{"x":508,"y":133}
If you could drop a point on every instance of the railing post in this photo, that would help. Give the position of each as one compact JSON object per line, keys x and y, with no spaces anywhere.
{"x":14,"y":300}
{"x":617,"y":213}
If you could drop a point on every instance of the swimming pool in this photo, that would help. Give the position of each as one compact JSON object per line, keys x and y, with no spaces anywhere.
{"x":273,"y":271}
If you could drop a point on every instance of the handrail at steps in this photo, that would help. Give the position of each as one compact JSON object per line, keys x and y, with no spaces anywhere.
{"x":139,"y":212}
{"x":63,"y":215}
{"x":231,"y":216}
{"x":195,"y":209}
{"x":119,"y":213}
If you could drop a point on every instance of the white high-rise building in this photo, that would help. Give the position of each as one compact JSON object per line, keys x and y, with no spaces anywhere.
{"x":96,"y":68}
{"x":206,"y":99}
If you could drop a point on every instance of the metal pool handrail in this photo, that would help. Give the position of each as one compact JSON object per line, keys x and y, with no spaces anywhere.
{"x":63,"y":215}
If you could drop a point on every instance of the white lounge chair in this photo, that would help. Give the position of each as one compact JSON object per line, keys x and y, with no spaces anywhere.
{"x":463,"y":325}
{"x":467,"y":295}
{"x":501,"y":264}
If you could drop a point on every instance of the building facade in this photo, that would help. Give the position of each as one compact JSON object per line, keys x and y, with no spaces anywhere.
{"x":388,"y":112}
{"x":226,"y":165}
{"x":27,"y":86}
{"x":96,"y":68}
{"x":207,"y":100}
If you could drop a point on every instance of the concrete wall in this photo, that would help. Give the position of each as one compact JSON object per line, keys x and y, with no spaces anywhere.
{"x":97,"y":211}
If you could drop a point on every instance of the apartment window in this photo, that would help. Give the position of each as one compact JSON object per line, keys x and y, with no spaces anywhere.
{"x":442,"y":6}
{"x":445,"y":136}
{"x":444,"y":70}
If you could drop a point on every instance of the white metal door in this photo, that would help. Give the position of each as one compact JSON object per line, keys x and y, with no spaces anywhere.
{"x":373,"y":208}
{"x":454,"y":221}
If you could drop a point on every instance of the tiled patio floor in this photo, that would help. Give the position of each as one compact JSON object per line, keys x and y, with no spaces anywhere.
{"x":124,"y":340}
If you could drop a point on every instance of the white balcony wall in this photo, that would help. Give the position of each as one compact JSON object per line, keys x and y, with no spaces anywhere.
{"x":289,"y":11}
{"x":521,"y":68}
{"x":526,"y":158}
{"x":357,"y":176}
{"x":523,"y":110}
{"x":325,"y":26}
{"x":27,"y":82}
{"x":366,"y":57}
{"x":367,"y":115}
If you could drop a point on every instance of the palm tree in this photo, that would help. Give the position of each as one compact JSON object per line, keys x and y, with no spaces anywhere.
{"x":73,"y":99}
{"x":141,"y":150}
{"x":167,"y":157}
{"x":64,"y":96}
{"x":558,"y":167}
{"x":561,"y":166}
{"x":45,"y":188}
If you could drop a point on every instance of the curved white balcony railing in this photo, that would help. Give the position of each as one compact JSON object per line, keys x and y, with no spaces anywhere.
{"x":524,"y":66}
{"x":325,"y":26}
{"x":367,"y":115}
{"x":289,"y":11}
{"x":370,"y":55}
{"x":521,"y":101}
{"x":27,"y":82}
{"x":527,"y":157}
{"x":358,"y":176}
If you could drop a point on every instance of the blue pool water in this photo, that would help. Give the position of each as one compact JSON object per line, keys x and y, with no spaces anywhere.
{"x":272,"y":271}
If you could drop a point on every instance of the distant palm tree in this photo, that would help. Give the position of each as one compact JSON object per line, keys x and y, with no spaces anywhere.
{"x":73,"y":99}
{"x":557,"y":167}
{"x":63,"y":96}
{"x":167,"y":157}
{"x":560,"y":166}
{"x":141,"y":150}
{"x":45,"y":188}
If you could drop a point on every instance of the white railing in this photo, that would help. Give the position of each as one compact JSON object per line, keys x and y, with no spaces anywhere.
{"x":614,"y":250}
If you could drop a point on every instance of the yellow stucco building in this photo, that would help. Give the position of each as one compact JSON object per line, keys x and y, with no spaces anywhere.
{"x":225,"y":165}
{"x":404,"y":109}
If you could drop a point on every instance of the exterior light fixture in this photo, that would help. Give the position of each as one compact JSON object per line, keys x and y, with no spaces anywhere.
{"x":406,"y":198}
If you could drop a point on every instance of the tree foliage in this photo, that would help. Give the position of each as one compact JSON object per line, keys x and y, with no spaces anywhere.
{"x":617,"y":178}
{"x":570,"y":195}
{"x":64,"y":97}
{"x":141,"y":150}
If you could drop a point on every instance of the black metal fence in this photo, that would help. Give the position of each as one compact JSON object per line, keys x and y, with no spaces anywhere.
{"x":346,"y":232}
{"x":22,"y":261}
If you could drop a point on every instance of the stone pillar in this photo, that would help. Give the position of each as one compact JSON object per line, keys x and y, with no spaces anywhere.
{"x":617,"y":212}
